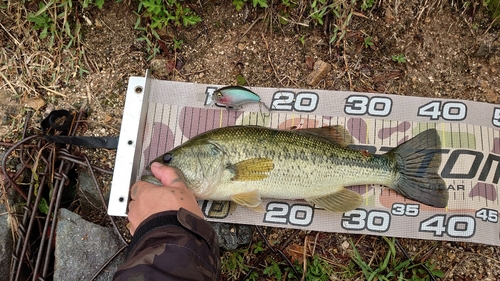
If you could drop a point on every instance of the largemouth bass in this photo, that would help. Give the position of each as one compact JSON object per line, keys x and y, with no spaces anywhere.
{"x":246,"y":163}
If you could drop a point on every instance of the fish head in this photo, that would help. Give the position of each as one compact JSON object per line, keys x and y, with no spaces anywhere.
{"x":201,"y":163}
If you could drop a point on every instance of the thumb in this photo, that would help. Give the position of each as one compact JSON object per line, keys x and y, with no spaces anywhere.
{"x":168,"y":176}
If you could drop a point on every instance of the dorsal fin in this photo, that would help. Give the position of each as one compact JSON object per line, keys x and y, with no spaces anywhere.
{"x":336,"y":133}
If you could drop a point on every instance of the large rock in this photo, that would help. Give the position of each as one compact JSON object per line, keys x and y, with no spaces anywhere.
{"x":232,"y":236}
{"x":87,"y":192}
{"x":83,"y":247}
{"x":5,"y":244}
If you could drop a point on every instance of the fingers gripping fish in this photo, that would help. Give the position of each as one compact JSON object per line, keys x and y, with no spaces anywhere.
{"x":246,"y":163}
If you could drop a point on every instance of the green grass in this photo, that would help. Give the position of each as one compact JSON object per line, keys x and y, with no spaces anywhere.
{"x":399,"y":58}
{"x":493,"y":8}
{"x":57,"y":22}
{"x":392,"y":267}
{"x":156,"y":15}
{"x":235,"y":266}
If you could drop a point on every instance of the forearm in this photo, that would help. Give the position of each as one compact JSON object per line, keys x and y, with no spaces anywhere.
{"x":172,"y":246}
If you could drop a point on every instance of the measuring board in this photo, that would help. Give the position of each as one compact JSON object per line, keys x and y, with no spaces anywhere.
{"x":178,"y":111}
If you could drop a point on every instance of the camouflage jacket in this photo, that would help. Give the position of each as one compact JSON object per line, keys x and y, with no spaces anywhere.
{"x":172,"y":246}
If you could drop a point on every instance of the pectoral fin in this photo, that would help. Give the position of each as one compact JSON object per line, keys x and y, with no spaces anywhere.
{"x":252,"y":169}
{"x":341,"y":201}
{"x":249,"y":199}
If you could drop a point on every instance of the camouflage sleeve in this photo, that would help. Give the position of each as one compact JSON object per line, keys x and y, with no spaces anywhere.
{"x":172,"y":245}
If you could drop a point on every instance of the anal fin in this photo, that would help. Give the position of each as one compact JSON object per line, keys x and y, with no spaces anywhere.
{"x":341,"y":201}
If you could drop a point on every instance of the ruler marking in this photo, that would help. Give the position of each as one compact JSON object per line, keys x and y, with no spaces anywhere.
{"x":149,"y":127}
{"x":468,"y":138}
{"x":206,"y":119}
{"x":482,"y":139}
{"x":383,"y":132}
{"x":220,"y":118}
{"x":160,"y":135}
{"x":170,"y":110}
{"x":177,"y":138}
{"x":485,"y":192}
{"x":213,"y":120}
{"x":459,"y":135}
{"x":200,"y":126}
{"x":496,"y":190}
{"x":154,"y":135}
{"x":191,"y":121}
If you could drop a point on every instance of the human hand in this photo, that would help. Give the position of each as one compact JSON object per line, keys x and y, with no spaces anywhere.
{"x":148,"y":199}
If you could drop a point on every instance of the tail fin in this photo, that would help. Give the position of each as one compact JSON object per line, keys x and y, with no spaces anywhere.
{"x":417,"y":162}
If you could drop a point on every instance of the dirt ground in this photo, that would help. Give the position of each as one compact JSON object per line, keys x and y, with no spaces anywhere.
{"x":451,"y":52}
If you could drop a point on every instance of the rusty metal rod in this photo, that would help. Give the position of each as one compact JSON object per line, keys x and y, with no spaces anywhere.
{"x":108,"y":262}
{"x":81,"y":162}
{"x":103,"y":200}
{"x":60,"y":187}
{"x":46,"y":224}
{"x":4,"y":164}
{"x":30,"y":224}
{"x":22,"y":255}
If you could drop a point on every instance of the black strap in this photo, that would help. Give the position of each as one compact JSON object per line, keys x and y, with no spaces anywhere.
{"x":51,"y":122}
{"x":95,"y":142}
{"x":61,"y":121}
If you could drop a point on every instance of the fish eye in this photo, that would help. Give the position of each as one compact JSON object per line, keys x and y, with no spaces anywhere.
{"x":167,"y":158}
{"x":219,"y":94}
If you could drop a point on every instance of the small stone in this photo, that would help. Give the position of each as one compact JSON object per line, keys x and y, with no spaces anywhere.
{"x":319,"y":72}
{"x":107,"y":118}
{"x":98,"y":23}
{"x":451,"y":255}
{"x":241,"y":46}
{"x":345,"y":245}
{"x":388,"y":16}
{"x":490,"y":95}
{"x":310,"y":63}
{"x":159,"y":67}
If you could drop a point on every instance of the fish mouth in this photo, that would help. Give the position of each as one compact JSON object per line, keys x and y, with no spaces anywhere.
{"x":148,"y":176}
{"x":147,"y":171}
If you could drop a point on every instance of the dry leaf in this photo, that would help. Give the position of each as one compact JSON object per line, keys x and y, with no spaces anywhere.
{"x":35,"y":103}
